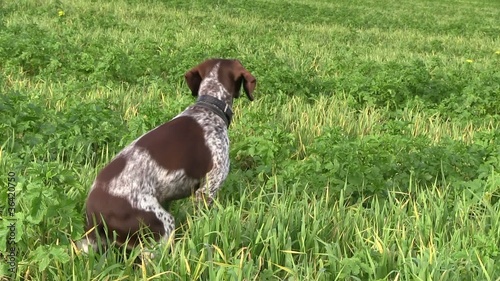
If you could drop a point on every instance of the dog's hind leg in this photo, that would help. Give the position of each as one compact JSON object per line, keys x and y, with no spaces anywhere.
{"x":157,"y":218}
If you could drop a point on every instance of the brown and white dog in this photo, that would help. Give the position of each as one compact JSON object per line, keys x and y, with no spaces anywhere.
{"x":187,"y":155}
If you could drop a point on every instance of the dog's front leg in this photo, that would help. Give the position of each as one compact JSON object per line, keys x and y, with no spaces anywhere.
{"x":209,"y":186}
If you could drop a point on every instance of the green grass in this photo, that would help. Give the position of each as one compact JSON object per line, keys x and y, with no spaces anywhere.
{"x":371,"y":152}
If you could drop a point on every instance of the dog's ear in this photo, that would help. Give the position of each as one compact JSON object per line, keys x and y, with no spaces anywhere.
{"x":249,"y":82}
{"x":193,"y":79}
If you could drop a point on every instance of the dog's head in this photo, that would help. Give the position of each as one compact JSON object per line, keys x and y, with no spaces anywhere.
{"x":230,"y":73}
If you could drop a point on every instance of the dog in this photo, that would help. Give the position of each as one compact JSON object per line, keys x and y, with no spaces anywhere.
{"x":188,"y":155}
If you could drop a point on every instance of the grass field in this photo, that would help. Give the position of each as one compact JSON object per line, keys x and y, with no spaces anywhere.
{"x":371,"y":152}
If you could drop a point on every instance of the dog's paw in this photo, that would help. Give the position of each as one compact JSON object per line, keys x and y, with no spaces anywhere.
{"x":84,"y":245}
{"x":148,"y":254}
{"x":203,"y":200}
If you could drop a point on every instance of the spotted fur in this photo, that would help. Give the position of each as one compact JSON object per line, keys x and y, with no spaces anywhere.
{"x":185,"y":156}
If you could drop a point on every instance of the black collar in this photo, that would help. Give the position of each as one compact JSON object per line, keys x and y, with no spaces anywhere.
{"x":216,"y":106}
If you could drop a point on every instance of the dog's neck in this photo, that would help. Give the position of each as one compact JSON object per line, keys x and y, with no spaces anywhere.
{"x":222,"y":109}
{"x":211,"y":84}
